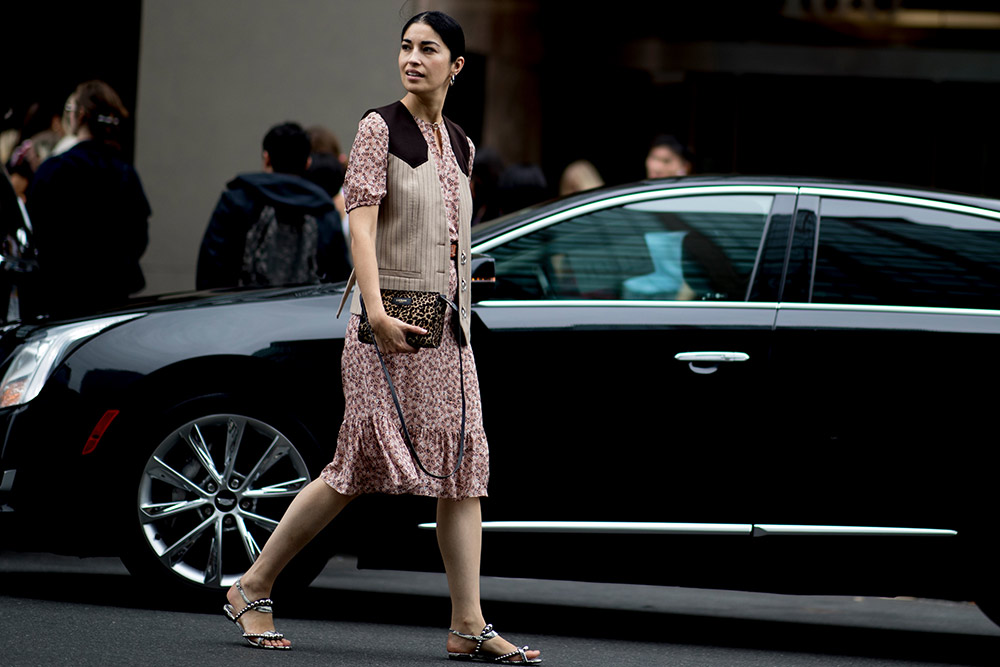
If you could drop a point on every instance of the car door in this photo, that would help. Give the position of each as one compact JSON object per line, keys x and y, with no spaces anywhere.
{"x":622,"y":364}
{"x":883,"y":346}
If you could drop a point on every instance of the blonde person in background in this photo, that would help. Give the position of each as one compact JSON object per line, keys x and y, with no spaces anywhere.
{"x":579,"y":176}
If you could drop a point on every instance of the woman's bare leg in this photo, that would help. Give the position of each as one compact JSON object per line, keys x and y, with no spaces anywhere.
{"x":310,"y":511}
{"x":460,"y":538}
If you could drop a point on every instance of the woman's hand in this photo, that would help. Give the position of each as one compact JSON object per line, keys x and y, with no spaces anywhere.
{"x":390,"y":334}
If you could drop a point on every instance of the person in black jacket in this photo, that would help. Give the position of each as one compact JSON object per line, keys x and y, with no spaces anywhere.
{"x":274,"y":227}
{"x":89,"y":212}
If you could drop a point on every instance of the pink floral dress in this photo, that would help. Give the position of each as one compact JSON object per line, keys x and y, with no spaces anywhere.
{"x":372,"y":456}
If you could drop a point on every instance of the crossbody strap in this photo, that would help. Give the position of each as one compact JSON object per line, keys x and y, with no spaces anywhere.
{"x":399,"y":409}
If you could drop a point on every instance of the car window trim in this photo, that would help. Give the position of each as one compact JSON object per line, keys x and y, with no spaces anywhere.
{"x":753,"y":305}
{"x":634,"y":198}
{"x":616,"y":303}
{"x":900,"y":199}
{"x":886,"y":308}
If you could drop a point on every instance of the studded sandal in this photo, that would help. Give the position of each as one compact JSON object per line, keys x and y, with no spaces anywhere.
{"x":262,"y":606}
{"x":479,"y":655}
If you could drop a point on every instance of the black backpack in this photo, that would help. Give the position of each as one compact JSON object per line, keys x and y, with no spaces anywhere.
{"x":281,"y":251}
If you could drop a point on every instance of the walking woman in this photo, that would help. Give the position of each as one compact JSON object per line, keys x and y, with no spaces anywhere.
{"x":407,"y":191}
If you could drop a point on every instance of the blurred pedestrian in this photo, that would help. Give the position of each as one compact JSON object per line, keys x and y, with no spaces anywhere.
{"x":407,"y":179}
{"x":327,"y":169}
{"x":89,"y":211}
{"x":668,"y":157}
{"x":274,"y":227}
{"x":27,"y":157}
{"x":485,"y":176}
{"x":521,"y":185}
{"x":68,"y":139}
{"x":579,"y":176}
{"x":323,"y":140}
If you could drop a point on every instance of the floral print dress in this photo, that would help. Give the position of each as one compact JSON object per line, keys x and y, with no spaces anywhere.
{"x":372,"y":456}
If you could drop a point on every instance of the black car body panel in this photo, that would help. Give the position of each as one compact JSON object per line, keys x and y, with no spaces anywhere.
{"x":770,"y":384}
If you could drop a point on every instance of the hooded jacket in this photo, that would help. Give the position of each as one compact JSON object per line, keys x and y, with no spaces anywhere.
{"x":220,"y":260}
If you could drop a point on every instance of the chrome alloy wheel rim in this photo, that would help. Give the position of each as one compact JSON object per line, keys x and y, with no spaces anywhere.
{"x":212,"y":493}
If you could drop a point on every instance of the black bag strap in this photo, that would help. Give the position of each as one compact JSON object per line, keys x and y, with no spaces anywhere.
{"x":399,"y":408}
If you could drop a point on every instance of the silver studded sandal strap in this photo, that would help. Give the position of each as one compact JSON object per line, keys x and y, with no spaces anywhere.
{"x":264,"y":635}
{"x":471,"y":638}
{"x":239,"y":589}
{"x":262,"y":605}
{"x":487,"y":634}
{"x":517,"y":651}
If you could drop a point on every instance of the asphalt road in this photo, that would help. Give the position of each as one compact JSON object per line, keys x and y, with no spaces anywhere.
{"x":69,"y":611}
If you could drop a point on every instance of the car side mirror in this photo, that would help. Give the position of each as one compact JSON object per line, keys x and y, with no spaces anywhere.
{"x":484,"y":278}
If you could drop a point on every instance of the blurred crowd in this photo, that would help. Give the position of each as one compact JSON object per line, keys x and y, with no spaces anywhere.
{"x":285,"y":223}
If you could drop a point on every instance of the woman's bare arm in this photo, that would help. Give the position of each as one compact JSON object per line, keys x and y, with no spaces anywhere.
{"x":390,"y":333}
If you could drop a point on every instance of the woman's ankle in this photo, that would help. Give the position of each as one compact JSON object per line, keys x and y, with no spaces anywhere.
{"x":254,"y":586}
{"x":469,"y":625}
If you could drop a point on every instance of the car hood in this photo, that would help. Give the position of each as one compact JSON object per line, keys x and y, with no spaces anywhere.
{"x":198,"y":299}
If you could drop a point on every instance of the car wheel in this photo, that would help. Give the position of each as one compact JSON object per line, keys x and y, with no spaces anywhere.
{"x":210,"y":493}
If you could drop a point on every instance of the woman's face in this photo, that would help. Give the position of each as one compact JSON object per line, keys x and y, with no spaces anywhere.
{"x":424,"y":61}
{"x":663,"y":162}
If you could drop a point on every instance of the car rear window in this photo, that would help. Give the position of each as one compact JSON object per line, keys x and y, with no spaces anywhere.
{"x":891,"y":254}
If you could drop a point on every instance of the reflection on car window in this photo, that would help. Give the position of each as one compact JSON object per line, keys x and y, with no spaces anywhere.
{"x":890,"y":254}
{"x":701,"y":247}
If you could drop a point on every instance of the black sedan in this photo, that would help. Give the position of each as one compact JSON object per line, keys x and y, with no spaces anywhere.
{"x":765,"y":384}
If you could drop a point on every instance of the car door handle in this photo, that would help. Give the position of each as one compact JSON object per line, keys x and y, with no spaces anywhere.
{"x":694,"y":358}
{"x":711,"y":357}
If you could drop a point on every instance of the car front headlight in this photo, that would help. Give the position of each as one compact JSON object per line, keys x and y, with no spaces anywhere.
{"x":38,"y":356}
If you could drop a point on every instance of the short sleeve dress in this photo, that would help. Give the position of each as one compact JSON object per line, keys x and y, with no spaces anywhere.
{"x":372,"y":456}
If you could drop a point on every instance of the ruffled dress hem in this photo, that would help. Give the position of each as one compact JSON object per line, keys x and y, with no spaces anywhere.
{"x":372,"y":457}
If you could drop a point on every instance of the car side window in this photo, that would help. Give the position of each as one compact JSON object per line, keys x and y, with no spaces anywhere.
{"x":677,"y":248}
{"x":890,"y":254}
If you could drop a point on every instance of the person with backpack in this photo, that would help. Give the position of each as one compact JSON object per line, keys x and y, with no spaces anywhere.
{"x":274,"y":227}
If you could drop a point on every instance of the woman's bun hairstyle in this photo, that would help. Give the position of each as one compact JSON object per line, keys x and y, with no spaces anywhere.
{"x":101,"y":110}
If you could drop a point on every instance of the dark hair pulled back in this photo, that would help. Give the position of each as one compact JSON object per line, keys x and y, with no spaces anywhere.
{"x":448,"y":28}
{"x":101,"y":111}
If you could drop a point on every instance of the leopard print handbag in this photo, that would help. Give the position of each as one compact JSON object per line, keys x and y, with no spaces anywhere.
{"x":424,"y":309}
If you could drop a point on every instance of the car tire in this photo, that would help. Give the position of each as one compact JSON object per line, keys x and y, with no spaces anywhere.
{"x":207,"y":489}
